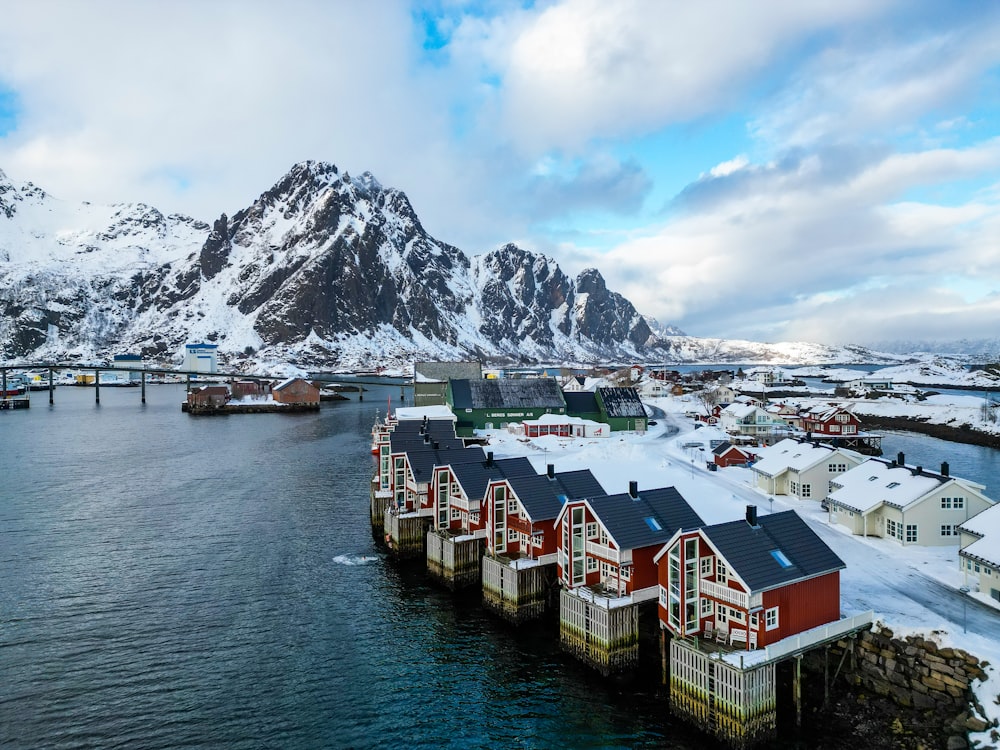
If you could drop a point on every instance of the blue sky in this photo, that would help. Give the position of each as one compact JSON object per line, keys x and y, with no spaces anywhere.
{"x":786,"y":170}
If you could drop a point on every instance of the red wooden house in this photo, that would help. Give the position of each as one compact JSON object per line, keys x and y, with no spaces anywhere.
{"x":458,"y":490}
{"x":611,"y":540}
{"x":750,"y":582}
{"x":295,"y":391}
{"x":519,"y":511}
{"x":832,"y":420}
{"x":727,"y":454}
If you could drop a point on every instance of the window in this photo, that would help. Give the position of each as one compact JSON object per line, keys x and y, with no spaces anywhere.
{"x":771,"y":618}
{"x":837,"y":468}
{"x":474,"y":517}
{"x":591,"y":564}
{"x":850,"y":429}
{"x":959,"y":502}
{"x":892,"y":485}
{"x":806,"y":490}
{"x":721,"y":615}
{"x":835,"y":428}
{"x":456,"y":513}
{"x":793,"y":488}
{"x":893,"y":529}
{"x":626,"y":572}
{"x":706,"y":567}
{"x":911,"y":533}
{"x":707,"y":607}
{"x":512,"y":506}
{"x":945,"y":503}
{"x":781,"y":558}
{"x":721,"y":574}
{"x":947,"y":529}
{"x":591,"y":530}
{"x":754,"y":621}
{"x":512,"y":535}
{"x":952,"y":502}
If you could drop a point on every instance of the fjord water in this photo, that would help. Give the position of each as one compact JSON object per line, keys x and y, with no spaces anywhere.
{"x":170,"y":581}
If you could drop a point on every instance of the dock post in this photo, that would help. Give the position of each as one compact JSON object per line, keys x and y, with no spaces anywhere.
{"x":402,"y":394}
{"x":143,"y":379}
{"x":189,"y":382}
{"x":97,"y":386}
{"x":4,"y":394}
{"x":361,"y":393}
{"x":52,"y":390}
{"x":663,"y":656}
{"x":797,"y":690}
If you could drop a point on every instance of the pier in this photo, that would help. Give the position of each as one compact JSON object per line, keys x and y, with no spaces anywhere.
{"x":454,"y":559}
{"x":518,"y":590}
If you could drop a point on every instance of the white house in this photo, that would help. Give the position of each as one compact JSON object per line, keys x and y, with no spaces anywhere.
{"x":201,"y":357}
{"x":746,"y":419}
{"x":906,"y":503}
{"x":802,"y":469}
{"x":979,"y":551}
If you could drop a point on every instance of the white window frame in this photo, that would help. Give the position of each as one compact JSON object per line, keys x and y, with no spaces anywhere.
{"x":771,"y":618}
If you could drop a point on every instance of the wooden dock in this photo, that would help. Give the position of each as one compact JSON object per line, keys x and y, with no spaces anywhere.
{"x":517,"y":592}
{"x":405,"y":534}
{"x":599,"y":631}
{"x":454,"y":560}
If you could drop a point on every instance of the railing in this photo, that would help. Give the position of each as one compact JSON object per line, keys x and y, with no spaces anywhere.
{"x":603,"y":551}
{"x":809,"y":638}
{"x":725,"y":594}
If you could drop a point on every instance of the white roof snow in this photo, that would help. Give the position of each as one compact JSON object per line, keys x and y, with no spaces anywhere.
{"x":873,"y":482}
{"x":790,"y":454}
{"x":437,"y":411}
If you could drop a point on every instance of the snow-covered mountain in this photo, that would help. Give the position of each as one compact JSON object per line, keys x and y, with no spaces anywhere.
{"x":322,"y":270}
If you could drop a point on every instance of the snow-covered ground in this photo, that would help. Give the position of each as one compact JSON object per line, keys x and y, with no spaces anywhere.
{"x":911,"y":589}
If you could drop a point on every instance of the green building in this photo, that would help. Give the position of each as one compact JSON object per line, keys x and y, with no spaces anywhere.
{"x":619,"y":408}
{"x":493,"y":404}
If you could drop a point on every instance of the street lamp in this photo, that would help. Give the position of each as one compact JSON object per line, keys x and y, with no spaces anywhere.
{"x":965,"y":609}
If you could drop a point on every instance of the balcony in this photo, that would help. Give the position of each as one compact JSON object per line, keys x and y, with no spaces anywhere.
{"x":603,"y":551}
{"x":725,"y":594}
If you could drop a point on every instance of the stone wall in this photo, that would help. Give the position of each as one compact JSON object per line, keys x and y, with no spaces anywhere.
{"x":927,"y":688}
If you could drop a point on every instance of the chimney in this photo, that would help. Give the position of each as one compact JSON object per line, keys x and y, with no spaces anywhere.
{"x":436,"y":445}
{"x":752,"y":515}
{"x":427,"y":438}
{"x":901,"y":459}
{"x":916,"y":470}
{"x":550,"y":471}
{"x":489,"y":458}
{"x":633,"y":489}
{"x":945,"y":469}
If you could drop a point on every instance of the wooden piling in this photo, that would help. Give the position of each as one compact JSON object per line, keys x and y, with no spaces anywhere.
{"x":454,"y":560}
{"x":142,"y":377}
{"x":738,"y":705}
{"x":406,"y":534}
{"x":52,"y":390}
{"x":603,"y":637}
{"x":517,"y":594}
{"x":97,"y":386}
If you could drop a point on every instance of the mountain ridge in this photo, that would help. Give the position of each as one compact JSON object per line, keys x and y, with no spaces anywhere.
{"x":321,"y":270}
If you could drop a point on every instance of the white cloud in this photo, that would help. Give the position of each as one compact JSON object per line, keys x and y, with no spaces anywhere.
{"x":800,"y":251}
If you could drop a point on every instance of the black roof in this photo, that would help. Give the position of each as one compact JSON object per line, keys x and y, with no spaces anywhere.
{"x":748,"y":550}
{"x":622,"y":402}
{"x":581,"y":402}
{"x":632,"y":522}
{"x":474,"y":476}
{"x":423,"y":460}
{"x":543,"y":498}
{"x":410,"y":433}
{"x":506,"y":393}
{"x":722,"y":447}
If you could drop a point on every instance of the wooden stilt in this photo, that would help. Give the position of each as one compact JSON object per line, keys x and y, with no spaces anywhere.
{"x":97,"y":386}
{"x":143,"y":379}
{"x":797,"y":689}
{"x":52,"y":390}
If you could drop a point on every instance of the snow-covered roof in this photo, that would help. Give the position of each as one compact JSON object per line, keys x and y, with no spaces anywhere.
{"x":790,"y":454}
{"x":739,"y":410}
{"x":560,"y":419}
{"x":986,"y":525}
{"x":874,"y":482}
{"x":438,"y":411}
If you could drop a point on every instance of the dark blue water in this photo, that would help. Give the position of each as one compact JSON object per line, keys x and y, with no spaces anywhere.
{"x":169,"y":581}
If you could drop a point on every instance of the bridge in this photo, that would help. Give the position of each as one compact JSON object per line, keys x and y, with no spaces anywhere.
{"x":346,"y":380}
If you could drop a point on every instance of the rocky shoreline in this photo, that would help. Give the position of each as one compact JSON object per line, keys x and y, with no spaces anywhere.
{"x":961,"y":434}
